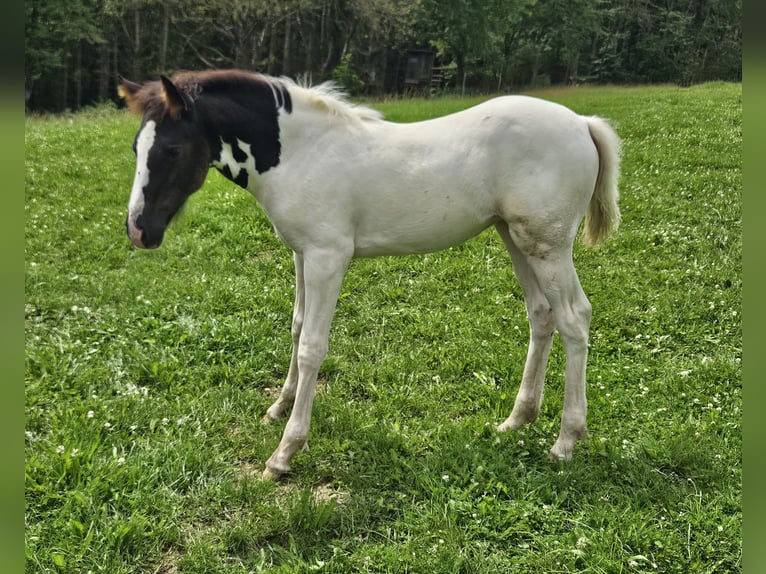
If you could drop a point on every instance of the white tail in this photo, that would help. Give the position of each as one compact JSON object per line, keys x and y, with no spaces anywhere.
{"x":603,"y":215}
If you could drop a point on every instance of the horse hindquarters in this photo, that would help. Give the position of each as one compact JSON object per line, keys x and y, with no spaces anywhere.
{"x":543,"y":263}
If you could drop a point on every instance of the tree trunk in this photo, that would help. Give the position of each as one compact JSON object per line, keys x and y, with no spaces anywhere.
{"x":136,"y":43}
{"x":328,"y":59}
{"x":29,"y":84}
{"x":272,"y":48}
{"x":286,"y":48}
{"x":64,"y":83}
{"x":78,"y":77}
{"x":103,"y":74}
{"x":535,"y":68}
{"x":571,"y":71}
{"x":322,"y":25}
{"x":461,"y":72}
{"x":309,"y":49}
{"x":325,"y":37}
{"x":165,"y":33}
{"x":104,"y":61}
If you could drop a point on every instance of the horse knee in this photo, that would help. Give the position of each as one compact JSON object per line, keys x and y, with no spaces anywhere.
{"x":575,"y":324}
{"x":584,"y":309}
{"x":311,"y":351}
{"x":541,"y":320}
{"x":296,"y":331}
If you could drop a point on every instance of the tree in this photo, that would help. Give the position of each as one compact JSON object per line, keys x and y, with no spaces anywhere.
{"x":681,"y":41}
{"x":555,"y":35}
{"x":75,"y":48}
{"x":55,"y":31}
{"x":382,"y":27}
{"x":470,"y":33}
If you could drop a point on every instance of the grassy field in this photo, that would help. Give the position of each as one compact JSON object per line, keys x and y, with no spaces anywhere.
{"x":147,"y":374}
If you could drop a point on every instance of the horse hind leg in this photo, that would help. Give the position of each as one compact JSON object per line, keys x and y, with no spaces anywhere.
{"x":541,"y":328}
{"x":551,"y":273}
{"x":572,"y":312}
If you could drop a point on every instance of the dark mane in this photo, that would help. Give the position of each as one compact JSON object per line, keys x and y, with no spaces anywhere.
{"x":239,"y":85}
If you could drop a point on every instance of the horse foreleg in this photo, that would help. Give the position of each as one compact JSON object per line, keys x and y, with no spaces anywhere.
{"x":287,"y":396}
{"x":323,"y":273}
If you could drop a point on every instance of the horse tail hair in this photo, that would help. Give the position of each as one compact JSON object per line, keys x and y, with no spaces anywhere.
{"x":603,"y":214}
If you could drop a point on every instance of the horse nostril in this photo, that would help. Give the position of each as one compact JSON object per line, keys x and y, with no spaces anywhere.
{"x":135,"y":230}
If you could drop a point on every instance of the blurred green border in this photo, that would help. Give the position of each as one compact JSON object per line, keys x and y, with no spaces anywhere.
{"x":12,"y":289}
{"x":754,"y":309}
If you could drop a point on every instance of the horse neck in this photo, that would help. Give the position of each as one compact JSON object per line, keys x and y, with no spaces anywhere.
{"x":303,"y":129}
{"x":322,"y":123}
{"x":249,"y":136}
{"x":244,"y":137}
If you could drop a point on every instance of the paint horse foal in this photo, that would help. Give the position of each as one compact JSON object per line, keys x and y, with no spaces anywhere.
{"x":337,"y":182}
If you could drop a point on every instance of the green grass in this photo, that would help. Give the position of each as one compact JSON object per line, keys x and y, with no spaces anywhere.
{"x":147,"y":374}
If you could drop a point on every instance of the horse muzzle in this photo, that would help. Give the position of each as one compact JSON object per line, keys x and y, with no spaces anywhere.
{"x":139,"y":235}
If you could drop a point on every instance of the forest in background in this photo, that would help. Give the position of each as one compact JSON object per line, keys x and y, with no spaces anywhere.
{"x":75,"y":49}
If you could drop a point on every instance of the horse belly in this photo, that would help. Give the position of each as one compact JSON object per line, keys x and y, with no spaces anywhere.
{"x":412,"y":226}
{"x":422,"y":196}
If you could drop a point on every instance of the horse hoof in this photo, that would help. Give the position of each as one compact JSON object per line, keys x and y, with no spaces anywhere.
{"x":515,"y":422}
{"x":506,"y":426}
{"x":559,"y":453}
{"x":555,"y":457}
{"x":271,"y":475}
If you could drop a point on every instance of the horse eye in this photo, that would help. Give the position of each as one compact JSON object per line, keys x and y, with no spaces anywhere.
{"x":172,"y":151}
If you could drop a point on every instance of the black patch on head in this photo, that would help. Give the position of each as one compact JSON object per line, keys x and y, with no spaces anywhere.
{"x":178,"y":161}
{"x":238,"y":105}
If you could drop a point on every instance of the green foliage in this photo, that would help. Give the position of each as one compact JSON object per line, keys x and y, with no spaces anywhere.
{"x":74,"y":49}
{"x":467,"y":30}
{"x":345,"y":76}
{"x":147,"y":373}
{"x":54,"y":31}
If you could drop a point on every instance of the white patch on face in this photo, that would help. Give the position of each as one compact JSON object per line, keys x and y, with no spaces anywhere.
{"x":144,"y":143}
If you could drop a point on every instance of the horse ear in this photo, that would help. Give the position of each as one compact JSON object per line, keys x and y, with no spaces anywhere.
{"x":175,"y":101}
{"x":128,"y":91}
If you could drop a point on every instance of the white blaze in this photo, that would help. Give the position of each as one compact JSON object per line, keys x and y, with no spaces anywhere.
{"x":144,"y":143}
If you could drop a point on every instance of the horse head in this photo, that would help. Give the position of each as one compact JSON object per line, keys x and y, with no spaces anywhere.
{"x":172,"y":157}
